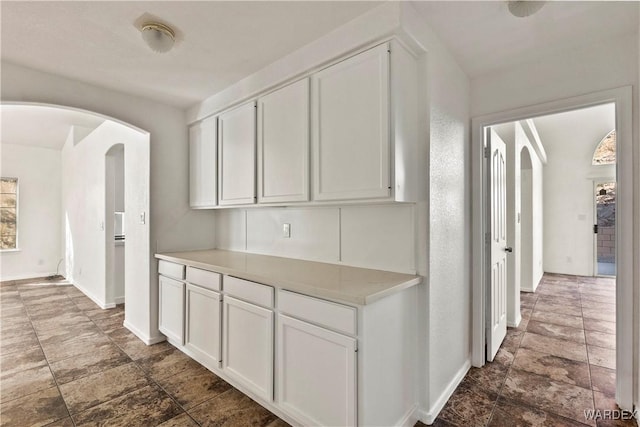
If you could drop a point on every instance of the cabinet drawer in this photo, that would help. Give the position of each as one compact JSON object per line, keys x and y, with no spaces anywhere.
{"x":334,"y":316}
{"x":204,"y":278}
{"x":171,"y":269}
{"x":249,"y":291}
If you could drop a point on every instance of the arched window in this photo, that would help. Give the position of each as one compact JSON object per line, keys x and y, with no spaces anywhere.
{"x":605,"y":153}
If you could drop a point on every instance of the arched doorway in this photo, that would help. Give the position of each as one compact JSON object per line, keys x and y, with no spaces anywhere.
{"x":88,"y":140}
{"x":526,"y":221}
{"x":115,"y":231}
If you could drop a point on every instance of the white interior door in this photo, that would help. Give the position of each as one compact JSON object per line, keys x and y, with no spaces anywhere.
{"x":497,"y":297}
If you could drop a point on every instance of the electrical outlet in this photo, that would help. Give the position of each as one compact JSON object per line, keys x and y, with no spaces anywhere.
{"x":286,"y":231}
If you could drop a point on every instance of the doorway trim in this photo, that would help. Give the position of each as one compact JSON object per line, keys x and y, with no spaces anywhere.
{"x":622,"y":97}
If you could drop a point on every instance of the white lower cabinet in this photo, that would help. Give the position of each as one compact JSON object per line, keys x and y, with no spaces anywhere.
{"x":171,"y":308}
{"x":328,"y":363}
{"x":203,"y":314}
{"x":248,"y":345}
{"x":316,"y":374}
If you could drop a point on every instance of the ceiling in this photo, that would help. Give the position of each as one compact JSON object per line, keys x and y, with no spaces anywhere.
{"x":221,"y":42}
{"x":217,"y":42}
{"x":483,"y":36}
{"x":585,"y":127}
{"x":42,"y":126}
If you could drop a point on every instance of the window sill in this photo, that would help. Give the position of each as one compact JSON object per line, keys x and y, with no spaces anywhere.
{"x":10,"y":250}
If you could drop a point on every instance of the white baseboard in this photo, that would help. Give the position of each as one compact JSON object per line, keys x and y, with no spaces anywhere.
{"x":430,"y":416}
{"x":144,"y":337}
{"x":92,"y":297}
{"x":516,"y":323}
{"x":410,"y":418}
{"x":118,"y":300}
{"x":39,"y":275}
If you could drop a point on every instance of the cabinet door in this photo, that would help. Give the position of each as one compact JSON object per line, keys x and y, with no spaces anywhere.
{"x":283,"y":144}
{"x":316,"y":373}
{"x":351,"y":128}
{"x":203,"y":164}
{"x":171,"y":309}
{"x":203,"y":315}
{"x":248,"y":345}
{"x":237,"y":156}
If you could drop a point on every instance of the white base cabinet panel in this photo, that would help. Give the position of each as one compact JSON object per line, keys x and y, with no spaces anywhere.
{"x":203,"y":314}
{"x":316,"y":373}
{"x":248,"y":345}
{"x":171,"y":308}
{"x":308,"y":360}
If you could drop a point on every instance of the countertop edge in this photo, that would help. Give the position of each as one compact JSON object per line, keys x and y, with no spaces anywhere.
{"x":297,"y":287}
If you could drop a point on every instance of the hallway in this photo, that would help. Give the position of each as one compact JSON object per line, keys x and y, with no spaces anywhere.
{"x":66,"y":362}
{"x":559,"y":362}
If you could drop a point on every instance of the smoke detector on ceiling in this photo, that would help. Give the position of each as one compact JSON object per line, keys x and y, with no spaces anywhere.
{"x":159,"y":37}
{"x":524,"y":8}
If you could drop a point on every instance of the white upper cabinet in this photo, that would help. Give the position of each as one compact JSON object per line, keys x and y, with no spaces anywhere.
{"x":283,"y":144}
{"x":203,"y":164}
{"x":237,"y":156}
{"x":349,"y":132}
{"x":351,"y":136}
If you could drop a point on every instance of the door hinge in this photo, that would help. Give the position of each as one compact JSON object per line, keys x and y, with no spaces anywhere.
{"x":487,"y":238}
{"x":487,"y":152}
{"x":595,"y":228}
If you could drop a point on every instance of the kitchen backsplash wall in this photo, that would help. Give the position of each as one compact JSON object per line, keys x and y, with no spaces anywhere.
{"x":375,"y":236}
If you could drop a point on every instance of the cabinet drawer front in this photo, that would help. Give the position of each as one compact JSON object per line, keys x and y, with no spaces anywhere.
{"x":204,"y":278}
{"x":171,"y":269}
{"x":249,"y":291}
{"x":324,"y":313}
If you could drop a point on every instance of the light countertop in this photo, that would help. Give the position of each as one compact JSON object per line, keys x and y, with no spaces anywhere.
{"x":351,"y":285}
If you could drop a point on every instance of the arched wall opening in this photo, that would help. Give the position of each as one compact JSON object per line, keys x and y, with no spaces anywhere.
{"x":526,"y":220}
{"x":88,"y":148}
{"x":115,"y":232}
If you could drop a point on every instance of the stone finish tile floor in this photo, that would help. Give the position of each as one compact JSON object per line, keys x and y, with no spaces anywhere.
{"x":558,"y":363}
{"x":66,"y":362}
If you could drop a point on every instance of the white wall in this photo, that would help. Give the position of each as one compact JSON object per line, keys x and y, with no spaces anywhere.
{"x":39,"y":178}
{"x":636,"y":246}
{"x":447,"y":296}
{"x":376,"y":236}
{"x":173,"y":225}
{"x":87,"y":210}
{"x":525,"y":241}
{"x":570,"y":139}
{"x":599,"y":66}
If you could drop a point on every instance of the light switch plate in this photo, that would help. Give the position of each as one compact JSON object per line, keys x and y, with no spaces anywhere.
{"x":286,"y":231}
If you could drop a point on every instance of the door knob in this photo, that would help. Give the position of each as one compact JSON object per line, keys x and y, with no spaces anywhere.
{"x":508,"y":249}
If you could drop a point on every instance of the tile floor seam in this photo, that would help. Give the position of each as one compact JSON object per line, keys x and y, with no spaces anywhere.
{"x":48,"y":364}
{"x":184,"y":410}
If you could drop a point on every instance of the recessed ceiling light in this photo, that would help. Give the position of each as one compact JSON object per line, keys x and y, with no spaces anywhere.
{"x":158,"y":37}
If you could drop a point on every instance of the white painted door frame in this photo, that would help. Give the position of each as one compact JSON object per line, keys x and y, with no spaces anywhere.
{"x":625,"y":232}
